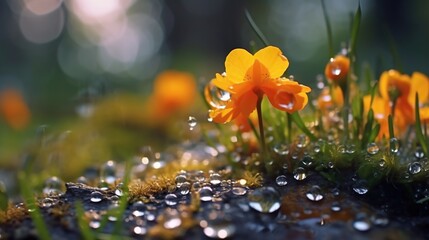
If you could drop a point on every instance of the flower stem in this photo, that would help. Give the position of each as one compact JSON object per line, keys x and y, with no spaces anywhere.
{"x":261,"y":125}
{"x":344,"y":88}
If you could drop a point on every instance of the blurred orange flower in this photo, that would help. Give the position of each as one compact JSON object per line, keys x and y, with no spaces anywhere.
{"x":14,"y":109}
{"x":172,"y":91}
{"x":249,"y":77}
{"x":420,"y":85}
{"x":330,"y":98}
{"x":337,"y":69}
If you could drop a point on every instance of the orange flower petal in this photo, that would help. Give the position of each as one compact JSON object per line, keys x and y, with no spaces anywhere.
{"x":223,"y":83}
{"x":274,"y":60}
{"x":237,"y":63}
{"x":337,"y":68}
{"x":419,"y":84}
{"x":14,"y":109}
{"x":392,"y":79}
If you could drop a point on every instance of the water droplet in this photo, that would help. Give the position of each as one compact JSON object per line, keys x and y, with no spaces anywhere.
{"x":335,"y":207}
{"x":281,"y":149}
{"x":206,"y":194}
{"x":372,"y":148}
{"x":216,"y":97}
{"x":108,"y":172}
{"x":281,"y":180}
{"x":192,"y":122}
{"x":307,"y":160}
{"x":239,"y":191}
{"x":350,"y":148}
{"x":320,"y":83}
{"x":138,"y":209}
{"x":140,"y":230}
{"x":48,"y":202}
{"x":264,"y":199}
{"x":180,"y":179}
{"x":94,"y":224}
{"x":301,"y":141}
{"x":331,"y":165}
{"x":419,"y":153}
{"x":380,"y":220}
{"x":360,"y":187}
{"x":185,"y":188}
{"x":361,"y":223}
{"x":394,"y":145}
{"x":382,"y":163}
{"x":285,"y":100}
{"x":335,"y":191}
{"x":171,"y":218}
{"x":299,"y":174}
{"x":218,"y":229}
{"x":170,"y":199}
{"x":215,"y":178}
{"x":83,"y":180}
{"x":314,"y":194}
{"x":316,"y":148}
{"x":53,"y":186}
{"x":414,"y":168}
{"x":96,"y":197}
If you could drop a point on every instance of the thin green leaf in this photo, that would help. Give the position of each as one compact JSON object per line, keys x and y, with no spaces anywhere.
{"x":391,"y":132}
{"x":367,"y":128}
{"x":83,"y":225}
{"x":328,"y":29}
{"x":4,"y":198}
{"x":36,"y":215}
{"x":374,"y":132}
{"x":422,"y":140}
{"x":301,"y":125}
{"x":355,"y":30}
{"x":256,"y":28}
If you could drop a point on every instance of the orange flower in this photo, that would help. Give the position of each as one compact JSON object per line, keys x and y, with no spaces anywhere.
{"x":14,"y":109}
{"x":172,"y":91}
{"x":330,"y":98}
{"x":249,"y":77}
{"x":337,"y":69}
{"x":420,"y":85}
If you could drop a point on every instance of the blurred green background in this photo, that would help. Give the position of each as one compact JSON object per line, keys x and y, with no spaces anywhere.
{"x":63,"y":54}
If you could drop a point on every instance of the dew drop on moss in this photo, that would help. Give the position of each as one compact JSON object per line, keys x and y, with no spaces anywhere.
{"x":414,"y":168}
{"x":281,"y":180}
{"x":360,"y":187}
{"x":206,"y":194}
{"x":299,"y":173}
{"x":394,"y":145}
{"x":170,"y":199}
{"x":192,"y":122}
{"x":372,"y":148}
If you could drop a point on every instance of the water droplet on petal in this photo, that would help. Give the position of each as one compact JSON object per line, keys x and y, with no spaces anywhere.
{"x":281,"y":180}
{"x":299,"y":173}
{"x":264,"y":199}
{"x":314,"y":194}
{"x":216,"y":97}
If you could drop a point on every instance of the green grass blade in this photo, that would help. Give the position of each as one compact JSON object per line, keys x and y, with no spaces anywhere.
{"x":355,"y":30}
{"x":36,"y":215}
{"x":256,"y":28}
{"x":391,"y":132}
{"x":301,"y":125}
{"x":328,"y":29}
{"x":83,"y":225}
{"x":421,"y":138}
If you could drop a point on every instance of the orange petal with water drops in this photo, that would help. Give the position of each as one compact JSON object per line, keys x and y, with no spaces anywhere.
{"x":237,"y":63}
{"x":274,"y":61}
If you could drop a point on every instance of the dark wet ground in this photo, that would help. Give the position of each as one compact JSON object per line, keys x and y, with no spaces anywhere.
{"x":312,"y":208}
